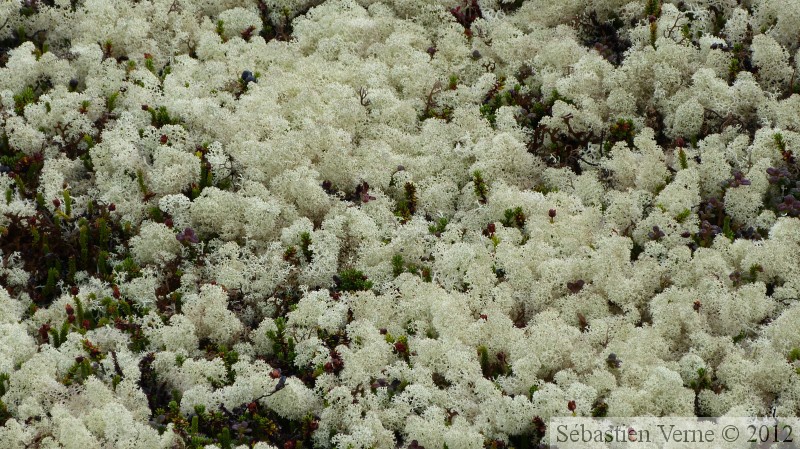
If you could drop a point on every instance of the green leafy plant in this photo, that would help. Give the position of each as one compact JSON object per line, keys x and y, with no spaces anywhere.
{"x":481,"y":189}
{"x":514,"y":218}
{"x":352,"y":280}
{"x":407,"y":206}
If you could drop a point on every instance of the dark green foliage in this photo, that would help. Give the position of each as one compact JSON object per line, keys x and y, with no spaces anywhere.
{"x":305,"y":246}
{"x":493,"y":368}
{"x":352,"y":280}
{"x":481,"y":189}
{"x":621,"y":131}
{"x":397,"y":265}
{"x":439,"y":227}
{"x":160,"y":116}
{"x":684,"y":163}
{"x":514,"y":218}
{"x":283,"y":344}
{"x":407,"y":206}
{"x":432,"y":108}
{"x":24,"y":98}
{"x":111,"y":101}
{"x":50,"y":289}
{"x":652,"y":8}
{"x":599,"y":409}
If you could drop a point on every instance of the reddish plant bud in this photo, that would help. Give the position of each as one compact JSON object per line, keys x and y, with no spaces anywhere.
{"x":252,"y":407}
{"x":328,"y":367}
{"x":43,"y":330}
{"x":163,"y":139}
{"x":572,"y":406}
{"x":313,"y":425}
{"x":85,"y":324}
{"x":70,"y":310}
{"x":551,"y":213}
{"x":112,"y":207}
{"x":168,"y":223}
{"x":275,"y":373}
{"x":79,"y":359}
{"x":484,"y":317}
{"x":575,"y":287}
{"x":383,"y":331}
{"x":70,"y":319}
{"x":74,"y":290}
{"x":697,"y":305}
{"x":57,"y":203}
{"x":115,"y":291}
{"x":400,"y":347}
{"x":539,"y":425}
